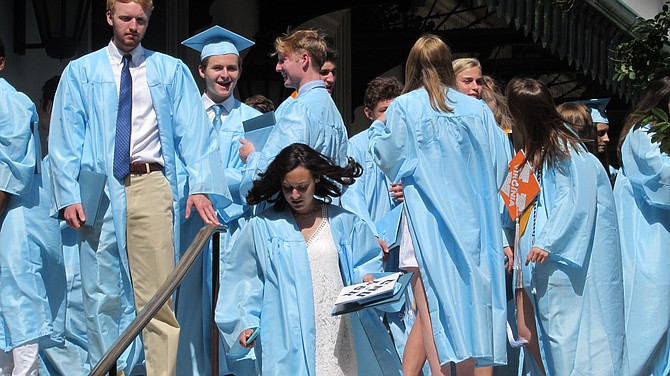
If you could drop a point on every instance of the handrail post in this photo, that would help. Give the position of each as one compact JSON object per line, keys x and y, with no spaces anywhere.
{"x":216,"y":252}
{"x":109,"y":359}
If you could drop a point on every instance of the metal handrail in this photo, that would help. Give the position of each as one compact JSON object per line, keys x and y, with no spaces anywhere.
{"x":108,"y":361}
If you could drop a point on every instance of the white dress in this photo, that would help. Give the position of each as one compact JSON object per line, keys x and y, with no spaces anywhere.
{"x":335,"y":354}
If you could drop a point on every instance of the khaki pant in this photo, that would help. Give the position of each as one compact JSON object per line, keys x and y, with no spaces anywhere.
{"x":151,"y":259}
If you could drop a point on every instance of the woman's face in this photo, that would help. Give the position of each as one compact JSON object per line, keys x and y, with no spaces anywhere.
{"x":469,"y":82}
{"x":298,"y":189}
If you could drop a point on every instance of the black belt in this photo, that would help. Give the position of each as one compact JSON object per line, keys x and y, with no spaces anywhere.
{"x":144,"y":168}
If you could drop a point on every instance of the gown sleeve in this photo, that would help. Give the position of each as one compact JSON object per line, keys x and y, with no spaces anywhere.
{"x":66,"y":139}
{"x":393,"y":145}
{"x":366,"y":252}
{"x":241,"y":295}
{"x":571,"y":209}
{"x":647,"y":168}
{"x":17,"y":146}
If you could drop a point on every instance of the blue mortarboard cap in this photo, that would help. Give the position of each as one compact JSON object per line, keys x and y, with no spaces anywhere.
{"x":217,"y":41}
{"x":597,"y":108}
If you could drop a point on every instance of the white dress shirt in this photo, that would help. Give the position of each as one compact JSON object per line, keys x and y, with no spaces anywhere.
{"x":145,"y":145}
{"x":227,"y":104}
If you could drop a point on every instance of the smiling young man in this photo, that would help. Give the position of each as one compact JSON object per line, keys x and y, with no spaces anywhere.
{"x":131,"y":114}
{"x":311,"y":118}
{"x":220,"y":67}
{"x":328,"y":70}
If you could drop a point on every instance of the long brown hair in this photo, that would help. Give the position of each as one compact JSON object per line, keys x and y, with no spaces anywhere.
{"x":330,"y":176}
{"x":656,"y":95}
{"x":542,"y":130}
{"x":429,"y":66}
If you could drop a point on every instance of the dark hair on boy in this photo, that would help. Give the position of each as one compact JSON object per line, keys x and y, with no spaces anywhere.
{"x":260,"y":103}
{"x":381,"y":89}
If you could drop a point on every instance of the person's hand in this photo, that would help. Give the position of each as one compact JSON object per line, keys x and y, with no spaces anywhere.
{"x":396,"y":192}
{"x":537,"y":255}
{"x":246,"y":149}
{"x":368,"y":278}
{"x":385,"y":248}
{"x":510,"y":258}
{"x":74,"y":216}
{"x":243,"y":338}
{"x":204,"y":208}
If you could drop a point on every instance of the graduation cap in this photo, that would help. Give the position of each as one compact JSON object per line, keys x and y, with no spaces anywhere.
{"x":217,"y":41}
{"x":597,"y":109}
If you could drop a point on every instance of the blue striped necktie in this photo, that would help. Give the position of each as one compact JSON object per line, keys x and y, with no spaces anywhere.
{"x":216,"y":122}
{"x":123,"y":122}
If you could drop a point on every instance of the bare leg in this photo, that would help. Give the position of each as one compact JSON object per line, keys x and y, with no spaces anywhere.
{"x":426,"y":326}
{"x":414,"y":355}
{"x":527,"y":328}
{"x":484,"y":371}
{"x":466,"y":368}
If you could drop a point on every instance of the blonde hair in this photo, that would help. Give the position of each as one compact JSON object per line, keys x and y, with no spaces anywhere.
{"x":464,"y":63}
{"x":147,"y":5}
{"x":311,"y":41}
{"x":429,"y":66}
{"x":491,"y":93}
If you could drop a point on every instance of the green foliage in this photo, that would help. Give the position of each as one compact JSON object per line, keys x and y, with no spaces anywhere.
{"x":641,"y":58}
{"x":659,"y":127}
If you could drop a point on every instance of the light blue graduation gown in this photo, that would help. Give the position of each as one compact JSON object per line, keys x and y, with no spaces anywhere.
{"x":193,"y":301}
{"x":71,"y":357}
{"x":451,"y":165}
{"x":368,"y":197}
{"x":82,"y":137}
{"x":266,"y":283}
{"x":642,"y":195}
{"x":32,"y":278}
{"x":577,"y":292}
{"x":312,"y":119}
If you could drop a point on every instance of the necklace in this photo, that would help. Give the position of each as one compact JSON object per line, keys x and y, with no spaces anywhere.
{"x":296,"y":215}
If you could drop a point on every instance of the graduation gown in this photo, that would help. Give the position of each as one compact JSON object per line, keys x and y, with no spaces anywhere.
{"x":82,"y":137}
{"x":266,"y":283}
{"x":577,"y":292}
{"x":312,"y":119}
{"x":642,"y":196}
{"x":368,"y":197}
{"x":32,"y":276}
{"x":193,"y":301}
{"x":451,"y":166}
{"x":71,"y":357}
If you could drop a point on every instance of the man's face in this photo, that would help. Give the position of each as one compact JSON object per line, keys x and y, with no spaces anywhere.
{"x":603,"y":137}
{"x":221,"y":75}
{"x":328,"y":74}
{"x":291,"y":68}
{"x":377,"y":113}
{"x":470,"y":82}
{"x":2,"y":63}
{"x":129,"y":22}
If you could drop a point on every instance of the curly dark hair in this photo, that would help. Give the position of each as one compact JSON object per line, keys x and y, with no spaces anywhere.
{"x":380,"y":89}
{"x":268,"y":187}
